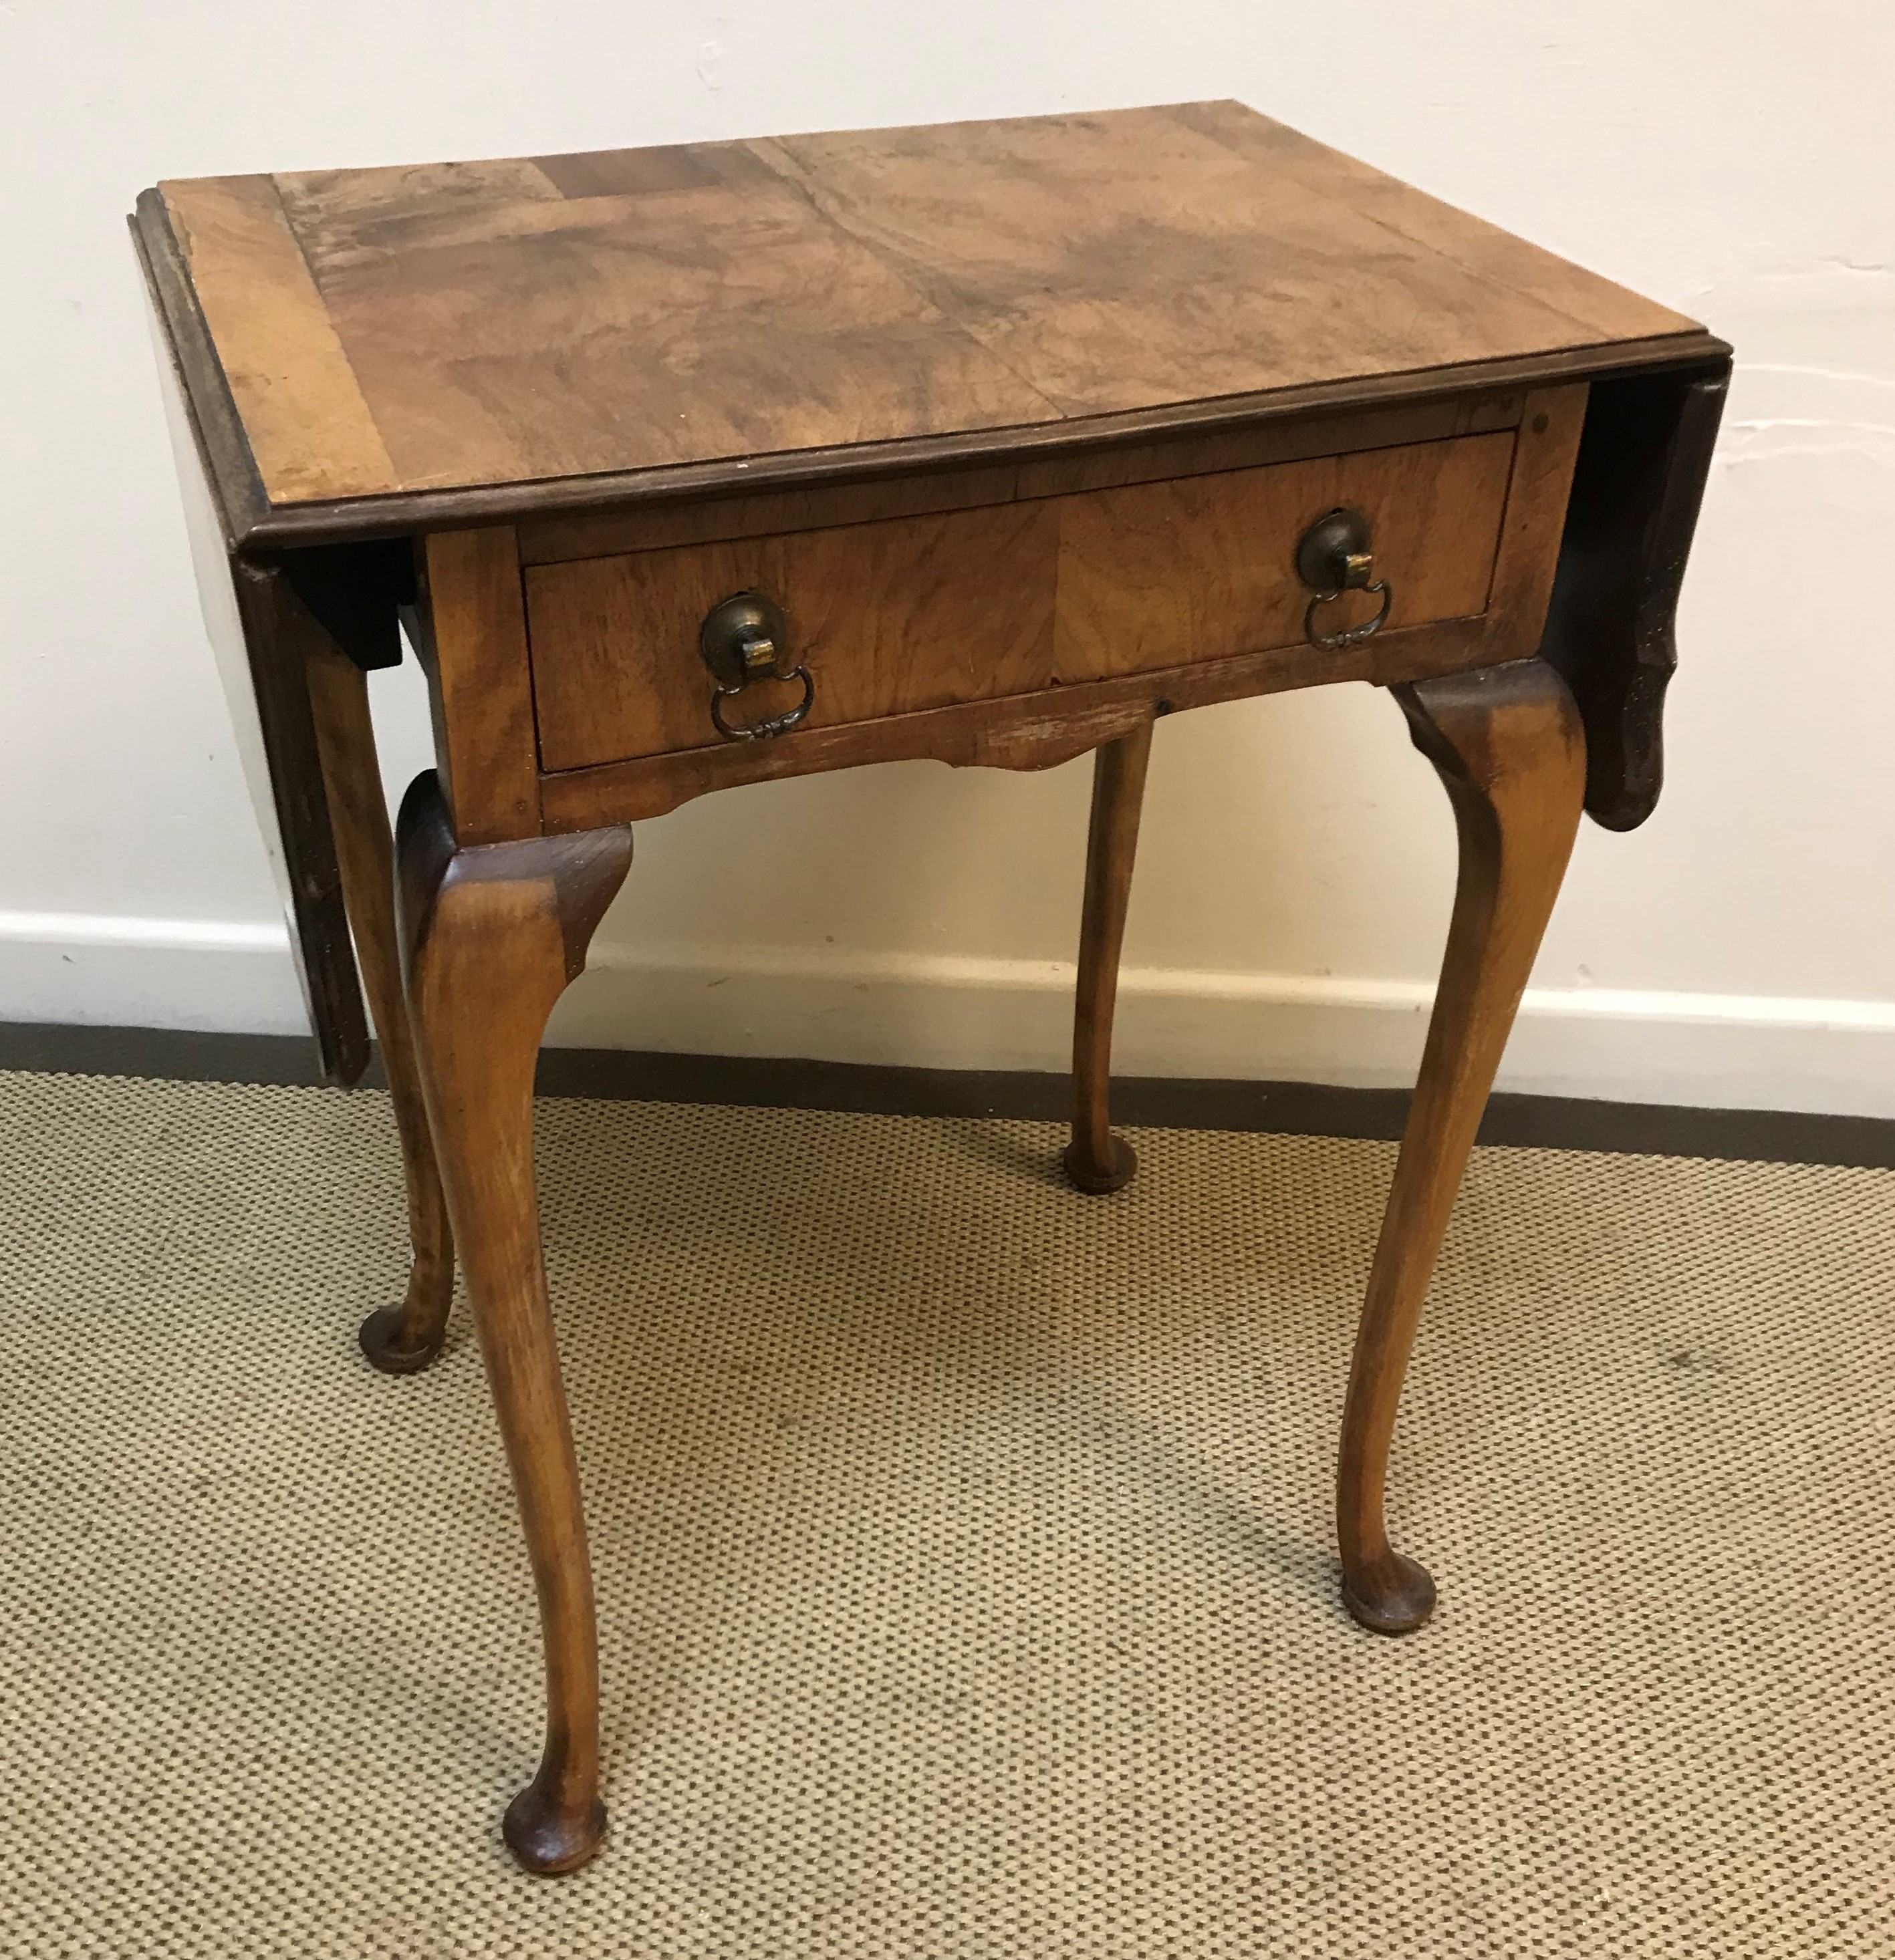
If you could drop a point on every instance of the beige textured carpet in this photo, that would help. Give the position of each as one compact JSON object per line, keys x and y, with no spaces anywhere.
{"x":962,"y":1547}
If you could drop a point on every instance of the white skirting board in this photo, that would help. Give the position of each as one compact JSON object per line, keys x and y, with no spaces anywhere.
{"x":1706,"y":1050}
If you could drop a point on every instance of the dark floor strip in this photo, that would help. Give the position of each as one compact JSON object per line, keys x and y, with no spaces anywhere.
{"x":1296,"y":1108}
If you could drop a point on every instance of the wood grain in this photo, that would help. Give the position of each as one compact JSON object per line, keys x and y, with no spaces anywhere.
{"x":610,"y":533}
{"x":1611,"y":626}
{"x":605,"y":533}
{"x":1031,"y":731}
{"x":310,"y":429}
{"x":658,"y":167}
{"x":491,"y":935}
{"x":893,"y":618}
{"x":474,"y":649}
{"x":1204,"y":567}
{"x":1021,"y":422}
{"x":1095,"y":1161}
{"x":1121,"y":259}
{"x":557,"y":337}
{"x":1607,"y":311}
{"x":1529,"y":554}
{"x":532,"y":322}
{"x":889,"y":619}
{"x":1507,"y":744}
{"x":293,"y":526}
{"x":1247,"y":445}
{"x":278,"y":632}
{"x":257,"y":630}
{"x":187,"y":359}
{"x":404,"y":1337}
{"x":341,"y":216}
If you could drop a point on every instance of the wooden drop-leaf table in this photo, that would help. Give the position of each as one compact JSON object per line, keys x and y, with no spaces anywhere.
{"x":991,"y":443}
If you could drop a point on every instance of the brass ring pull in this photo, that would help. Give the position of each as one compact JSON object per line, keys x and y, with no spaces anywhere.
{"x":1334,"y":558}
{"x":1349,"y":635}
{"x":775,"y":725}
{"x":745,"y":639}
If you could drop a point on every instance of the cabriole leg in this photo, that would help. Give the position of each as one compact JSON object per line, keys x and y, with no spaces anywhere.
{"x":1095,"y":1161}
{"x":400,"y":1339}
{"x":491,"y":935}
{"x":1507,"y":744}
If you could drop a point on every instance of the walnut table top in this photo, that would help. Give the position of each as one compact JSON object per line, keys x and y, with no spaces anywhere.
{"x":704,"y":316}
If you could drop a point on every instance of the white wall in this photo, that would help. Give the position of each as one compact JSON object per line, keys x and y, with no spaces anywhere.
{"x":1731,"y":159}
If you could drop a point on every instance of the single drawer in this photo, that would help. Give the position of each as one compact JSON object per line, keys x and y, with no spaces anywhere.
{"x":926,"y":612}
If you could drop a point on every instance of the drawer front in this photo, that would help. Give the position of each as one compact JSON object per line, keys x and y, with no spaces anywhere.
{"x":970,"y":605}
{"x":914,"y":612}
{"x":1200,"y":568}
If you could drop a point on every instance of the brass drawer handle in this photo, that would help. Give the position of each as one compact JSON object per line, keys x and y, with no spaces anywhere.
{"x":744,"y":638}
{"x":1334,"y":558}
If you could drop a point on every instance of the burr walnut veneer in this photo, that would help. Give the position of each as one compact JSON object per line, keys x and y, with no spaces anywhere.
{"x":991,"y":443}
